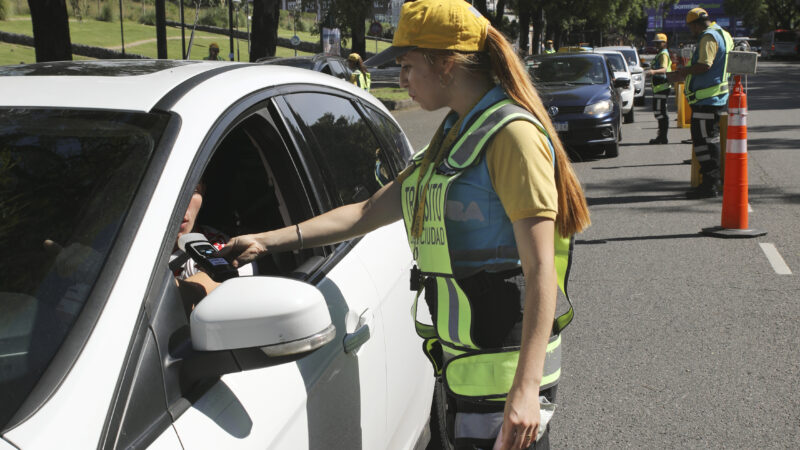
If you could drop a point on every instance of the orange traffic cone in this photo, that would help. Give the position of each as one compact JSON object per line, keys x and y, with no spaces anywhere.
{"x":734,"y":193}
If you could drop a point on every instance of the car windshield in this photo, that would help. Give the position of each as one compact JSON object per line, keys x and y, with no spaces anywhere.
{"x":67,"y":179}
{"x":616,"y":62}
{"x":569,"y":70}
{"x":630,"y":56}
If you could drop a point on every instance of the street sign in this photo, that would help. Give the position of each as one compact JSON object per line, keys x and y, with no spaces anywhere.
{"x":295,"y":40}
{"x":376,"y":29}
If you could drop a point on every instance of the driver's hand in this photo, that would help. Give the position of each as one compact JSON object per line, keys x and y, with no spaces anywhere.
{"x":243,"y":249}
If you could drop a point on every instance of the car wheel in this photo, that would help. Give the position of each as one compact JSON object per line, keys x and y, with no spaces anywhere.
{"x":438,"y":424}
{"x":612,"y":150}
{"x":628,"y":117}
{"x":638,"y":101}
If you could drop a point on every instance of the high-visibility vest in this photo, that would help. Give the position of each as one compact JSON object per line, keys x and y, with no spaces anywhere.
{"x":660,"y":81}
{"x":470,"y":372}
{"x":549,"y":50}
{"x":711,"y":88}
{"x":361,"y":79}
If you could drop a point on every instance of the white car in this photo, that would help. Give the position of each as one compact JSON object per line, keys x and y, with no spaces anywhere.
{"x":618,"y":65}
{"x":635,"y":68}
{"x":98,"y":162}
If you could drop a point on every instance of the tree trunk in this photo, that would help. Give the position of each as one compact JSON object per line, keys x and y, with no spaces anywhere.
{"x":161,"y":29}
{"x":50,"y":30}
{"x":264,"y":37}
{"x":358,"y":38}
{"x":538,"y":24}
{"x":524,"y":27}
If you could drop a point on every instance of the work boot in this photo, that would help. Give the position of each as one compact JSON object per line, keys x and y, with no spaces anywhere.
{"x":703,"y":192}
{"x":659,"y":140}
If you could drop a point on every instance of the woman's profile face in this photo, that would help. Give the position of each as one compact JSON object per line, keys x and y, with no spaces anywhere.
{"x":421,"y":80}
{"x":192,"y":211}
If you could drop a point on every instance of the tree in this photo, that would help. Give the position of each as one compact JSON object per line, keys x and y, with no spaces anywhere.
{"x":351,"y":16}
{"x":50,"y":30}
{"x":264,"y":36}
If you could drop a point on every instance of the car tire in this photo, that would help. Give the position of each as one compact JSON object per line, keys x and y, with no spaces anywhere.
{"x":628,"y":117}
{"x":638,"y":101}
{"x":438,"y":422}
{"x":611,"y":150}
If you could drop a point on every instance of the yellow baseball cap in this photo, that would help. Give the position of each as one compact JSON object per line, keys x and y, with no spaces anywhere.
{"x":355,"y":57}
{"x":696,"y":14}
{"x":436,"y":24}
{"x":214,"y":45}
{"x":660,"y":37}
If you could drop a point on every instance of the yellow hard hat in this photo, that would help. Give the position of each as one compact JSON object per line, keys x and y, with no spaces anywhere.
{"x":549,"y":41}
{"x":696,"y":14}
{"x":660,"y":37}
{"x":214,"y":46}
{"x":354,"y":57}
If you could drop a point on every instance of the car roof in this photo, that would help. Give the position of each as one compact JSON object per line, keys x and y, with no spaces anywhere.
{"x":134,"y":85}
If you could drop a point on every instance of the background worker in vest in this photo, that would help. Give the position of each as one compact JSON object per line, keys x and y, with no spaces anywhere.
{"x":706,"y":88}
{"x":360,"y":76}
{"x":213,"y":53}
{"x":549,"y":48}
{"x":661,"y":87}
{"x":503,"y":213}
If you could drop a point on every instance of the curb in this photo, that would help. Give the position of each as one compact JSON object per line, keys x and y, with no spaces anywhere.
{"x":394,"y":105}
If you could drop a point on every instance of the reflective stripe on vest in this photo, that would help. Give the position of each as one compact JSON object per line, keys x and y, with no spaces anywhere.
{"x":661,"y":86}
{"x":714,"y":82}
{"x":453,"y":327}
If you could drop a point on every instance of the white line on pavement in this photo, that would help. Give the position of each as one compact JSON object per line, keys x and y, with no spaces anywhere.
{"x":775,"y":258}
{"x":749,"y":208}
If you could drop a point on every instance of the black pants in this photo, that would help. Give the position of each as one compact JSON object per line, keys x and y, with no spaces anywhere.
{"x":454,"y":406}
{"x":705,"y":138}
{"x":660,"y":111}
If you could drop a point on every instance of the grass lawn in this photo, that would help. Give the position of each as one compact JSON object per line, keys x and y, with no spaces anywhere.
{"x":140,"y":39}
{"x":390,"y":93}
{"x":11,"y":54}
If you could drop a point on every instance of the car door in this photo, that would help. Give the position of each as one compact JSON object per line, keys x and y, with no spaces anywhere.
{"x":339,"y":145}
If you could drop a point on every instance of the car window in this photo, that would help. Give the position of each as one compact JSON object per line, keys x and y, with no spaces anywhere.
{"x":630,"y":56}
{"x":572,"y":70}
{"x":342,"y":144}
{"x":616,"y":62}
{"x":399,"y":151}
{"x":67,"y":179}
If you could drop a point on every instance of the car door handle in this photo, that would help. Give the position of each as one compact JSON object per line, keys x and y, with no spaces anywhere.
{"x":353,"y":341}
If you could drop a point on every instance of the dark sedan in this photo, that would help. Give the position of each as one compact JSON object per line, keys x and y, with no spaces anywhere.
{"x":579,"y":93}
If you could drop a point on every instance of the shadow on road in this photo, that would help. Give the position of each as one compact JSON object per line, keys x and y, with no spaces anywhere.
{"x":619,"y":200}
{"x":638,"y":238}
{"x":638,"y":165}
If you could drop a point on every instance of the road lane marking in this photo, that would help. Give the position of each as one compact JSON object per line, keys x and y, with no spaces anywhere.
{"x":775,"y":258}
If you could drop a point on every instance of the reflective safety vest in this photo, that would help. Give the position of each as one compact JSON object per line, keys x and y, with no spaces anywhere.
{"x":470,"y":372}
{"x":711,"y":88}
{"x":549,"y":50}
{"x":660,"y":81}
{"x":361,"y":79}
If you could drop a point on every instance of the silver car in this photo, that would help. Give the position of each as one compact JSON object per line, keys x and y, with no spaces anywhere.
{"x":635,"y":67}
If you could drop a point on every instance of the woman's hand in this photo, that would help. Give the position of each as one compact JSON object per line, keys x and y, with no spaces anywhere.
{"x":520,"y":420}
{"x":244,"y":249}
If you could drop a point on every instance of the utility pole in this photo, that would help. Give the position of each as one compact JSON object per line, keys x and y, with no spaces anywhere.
{"x":161,"y":29}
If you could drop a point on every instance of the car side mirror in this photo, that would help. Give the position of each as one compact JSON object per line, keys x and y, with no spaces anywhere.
{"x":279,"y":316}
{"x":622,"y":82}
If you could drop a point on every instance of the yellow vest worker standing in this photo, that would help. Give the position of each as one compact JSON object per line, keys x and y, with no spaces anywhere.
{"x":490,"y":206}
{"x":360,"y":76}
{"x":661,"y":87}
{"x":549,"y":47}
{"x":706,"y":89}
{"x":213,"y":53}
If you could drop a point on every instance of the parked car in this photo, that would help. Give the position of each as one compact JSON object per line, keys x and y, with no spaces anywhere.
{"x":620,"y":71}
{"x":97,"y":349}
{"x":582,"y":99}
{"x":635,"y":67}
{"x":330,"y":64}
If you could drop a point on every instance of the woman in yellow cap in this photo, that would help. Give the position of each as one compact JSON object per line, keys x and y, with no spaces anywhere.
{"x":360,"y":76}
{"x":490,"y":263}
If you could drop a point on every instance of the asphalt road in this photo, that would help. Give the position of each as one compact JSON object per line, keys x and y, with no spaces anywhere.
{"x":682,"y":340}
